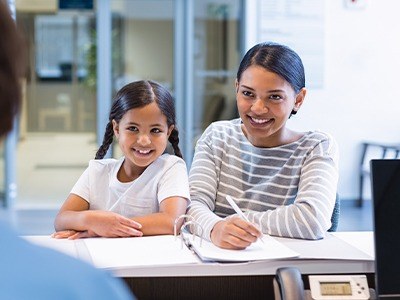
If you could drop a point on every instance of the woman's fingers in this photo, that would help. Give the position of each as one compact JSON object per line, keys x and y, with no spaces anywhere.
{"x":234,"y":233}
{"x":245,"y":230}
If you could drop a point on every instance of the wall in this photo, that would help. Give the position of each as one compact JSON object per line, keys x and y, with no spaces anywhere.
{"x":359,"y":100}
{"x":149,"y":50}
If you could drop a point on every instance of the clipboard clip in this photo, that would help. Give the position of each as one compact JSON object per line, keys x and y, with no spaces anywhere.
{"x":177,"y":220}
{"x":184,"y":233}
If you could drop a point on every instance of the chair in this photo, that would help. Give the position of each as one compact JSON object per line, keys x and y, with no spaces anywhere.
{"x":85,"y":114}
{"x":213,"y":109}
{"x":61,"y":111}
{"x":335,"y":215}
{"x":373,"y":150}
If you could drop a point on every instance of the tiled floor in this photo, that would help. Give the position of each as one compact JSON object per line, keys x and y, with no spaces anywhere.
{"x":40,"y":221}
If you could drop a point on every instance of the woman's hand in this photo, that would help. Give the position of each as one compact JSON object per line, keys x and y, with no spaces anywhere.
{"x":234,"y":233}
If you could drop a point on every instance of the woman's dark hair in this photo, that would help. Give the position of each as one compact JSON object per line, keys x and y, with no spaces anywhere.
{"x":276,"y":58}
{"x":11,"y":69}
{"x":135,"y":95}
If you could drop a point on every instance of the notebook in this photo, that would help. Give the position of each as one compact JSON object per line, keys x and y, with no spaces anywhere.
{"x":385,"y":184}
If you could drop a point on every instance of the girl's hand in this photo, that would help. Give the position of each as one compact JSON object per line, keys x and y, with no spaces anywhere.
{"x":73,"y":234}
{"x":63,"y":234}
{"x":234,"y":233}
{"x":109,"y":224}
{"x":82,"y":235}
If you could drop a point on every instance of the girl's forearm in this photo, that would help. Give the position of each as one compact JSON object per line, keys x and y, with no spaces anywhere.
{"x":72,"y":220}
{"x":158,"y":223}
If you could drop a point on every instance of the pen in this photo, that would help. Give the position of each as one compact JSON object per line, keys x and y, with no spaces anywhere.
{"x":238,"y":211}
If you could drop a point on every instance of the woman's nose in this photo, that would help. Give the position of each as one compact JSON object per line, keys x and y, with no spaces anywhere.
{"x":144,"y":140}
{"x":258,"y":106}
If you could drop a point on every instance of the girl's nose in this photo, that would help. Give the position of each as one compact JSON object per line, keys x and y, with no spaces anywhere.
{"x":144,"y":140}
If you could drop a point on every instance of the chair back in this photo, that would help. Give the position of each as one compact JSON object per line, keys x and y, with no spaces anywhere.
{"x":335,"y":215}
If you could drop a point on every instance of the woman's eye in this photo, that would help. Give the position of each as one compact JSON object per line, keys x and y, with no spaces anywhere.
{"x":275,"y":97}
{"x":156,"y":130}
{"x":247,"y":93}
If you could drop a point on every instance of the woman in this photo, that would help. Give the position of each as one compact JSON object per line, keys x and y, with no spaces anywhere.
{"x":285,"y":181}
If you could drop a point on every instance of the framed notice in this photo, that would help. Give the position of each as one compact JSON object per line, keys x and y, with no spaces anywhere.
{"x":299,"y":24}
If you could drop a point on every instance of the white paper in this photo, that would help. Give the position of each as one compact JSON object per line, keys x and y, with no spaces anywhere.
{"x":270,"y":249}
{"x":362,"y":240}
{"x":331,"y":247}
{"x":139,"y":251}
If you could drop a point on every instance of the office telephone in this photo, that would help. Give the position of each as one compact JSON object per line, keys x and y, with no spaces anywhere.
{"x":288,"y":285}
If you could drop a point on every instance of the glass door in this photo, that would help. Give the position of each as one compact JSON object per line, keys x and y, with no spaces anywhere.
{"x":192,"y":47}
{"x":142,"y":44}
{"x":216,"y":54}
{"x":56,"y":132}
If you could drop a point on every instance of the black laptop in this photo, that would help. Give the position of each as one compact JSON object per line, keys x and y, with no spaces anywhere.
{"x":385,"y":184}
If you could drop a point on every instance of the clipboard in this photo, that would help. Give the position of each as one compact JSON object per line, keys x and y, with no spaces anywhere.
{"x":270,"y":249}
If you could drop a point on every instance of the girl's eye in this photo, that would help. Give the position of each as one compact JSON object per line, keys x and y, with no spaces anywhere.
{"x":156,"y":130}
{"x":132,"y":128}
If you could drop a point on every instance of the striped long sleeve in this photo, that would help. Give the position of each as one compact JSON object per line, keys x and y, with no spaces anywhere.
{"x":288,"y":190}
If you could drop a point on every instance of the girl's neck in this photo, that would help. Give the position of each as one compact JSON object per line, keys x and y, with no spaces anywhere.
{"x":128,"y":173}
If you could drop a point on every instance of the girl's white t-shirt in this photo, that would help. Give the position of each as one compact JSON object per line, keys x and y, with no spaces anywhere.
{"x":166,"y":177}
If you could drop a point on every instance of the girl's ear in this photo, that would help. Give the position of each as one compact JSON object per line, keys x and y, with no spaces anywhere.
{"x":170,"y":128}
{"x":236,"y":85}
{"x":115,"y":128}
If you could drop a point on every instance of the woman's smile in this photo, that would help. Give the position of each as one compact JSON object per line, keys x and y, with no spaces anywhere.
{"x":260,"y":122}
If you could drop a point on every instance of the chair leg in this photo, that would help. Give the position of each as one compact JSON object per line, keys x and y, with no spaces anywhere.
{"x":361,"y":189}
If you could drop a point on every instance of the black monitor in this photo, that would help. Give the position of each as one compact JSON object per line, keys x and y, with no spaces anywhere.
{"x":385,"y":184}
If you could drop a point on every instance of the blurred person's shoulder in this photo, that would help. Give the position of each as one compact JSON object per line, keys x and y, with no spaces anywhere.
{"x":34,"y":272}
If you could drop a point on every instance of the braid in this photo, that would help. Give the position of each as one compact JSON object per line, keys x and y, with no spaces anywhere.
{"x":107,"y":140}
{"x":174,"y":140}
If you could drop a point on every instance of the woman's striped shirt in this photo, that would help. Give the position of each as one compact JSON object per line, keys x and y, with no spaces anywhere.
{"x":288,"y":190}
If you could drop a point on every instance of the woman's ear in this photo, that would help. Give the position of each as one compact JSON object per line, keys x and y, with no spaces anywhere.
{"x":115,"y":128}
{"x":236,"y":85}
{"x":299,"y":99}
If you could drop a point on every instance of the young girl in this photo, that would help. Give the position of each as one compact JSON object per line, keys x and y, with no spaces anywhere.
{"x":143,"y":192}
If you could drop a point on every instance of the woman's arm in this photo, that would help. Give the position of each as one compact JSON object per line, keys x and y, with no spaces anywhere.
{"x":74,"y":216}
{"x":231,"y":233}
{"x":310,"y":214}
